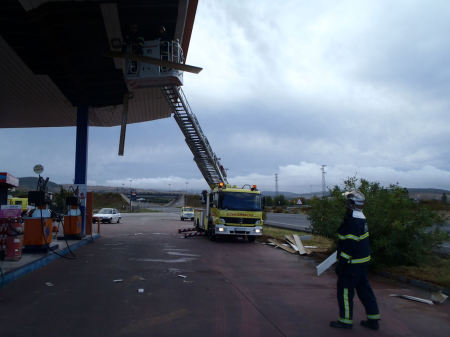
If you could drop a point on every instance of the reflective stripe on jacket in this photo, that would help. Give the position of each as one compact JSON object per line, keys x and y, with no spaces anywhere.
{"x":353,"y":245}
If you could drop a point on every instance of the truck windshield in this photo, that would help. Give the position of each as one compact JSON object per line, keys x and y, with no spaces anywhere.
{"x":240,"y":201}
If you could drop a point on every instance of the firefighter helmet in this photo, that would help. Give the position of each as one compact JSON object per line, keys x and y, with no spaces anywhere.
{"x":355,"y":200}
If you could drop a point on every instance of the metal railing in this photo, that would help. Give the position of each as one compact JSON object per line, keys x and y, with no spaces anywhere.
{"x":204,"y":157}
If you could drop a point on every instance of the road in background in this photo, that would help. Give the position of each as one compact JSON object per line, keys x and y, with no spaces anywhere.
{"x":172,"y":207}
{"x":298,"y":222}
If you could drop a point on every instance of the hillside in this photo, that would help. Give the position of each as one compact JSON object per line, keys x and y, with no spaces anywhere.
{"x":427,"y":193}
{"x":415,"y":193}
{"x":29,"y":184}
{"x":110,"y":200}
{"x":287,"y":195}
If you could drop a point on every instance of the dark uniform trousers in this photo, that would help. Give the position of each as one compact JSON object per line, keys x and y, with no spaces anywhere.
{"x":351,"y":278}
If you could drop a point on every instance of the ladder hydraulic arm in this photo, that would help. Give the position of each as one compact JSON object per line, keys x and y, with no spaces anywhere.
{"x":204,"y":157}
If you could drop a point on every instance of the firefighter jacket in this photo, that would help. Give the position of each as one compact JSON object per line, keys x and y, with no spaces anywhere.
{"x":353,"y":235}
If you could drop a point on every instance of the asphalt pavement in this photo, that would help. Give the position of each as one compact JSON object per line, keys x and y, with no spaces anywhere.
{"x":142,"y":278}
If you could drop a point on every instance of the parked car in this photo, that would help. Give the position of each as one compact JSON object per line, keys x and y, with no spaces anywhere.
{"x":107,"y":215}
{"x":187,"y":213}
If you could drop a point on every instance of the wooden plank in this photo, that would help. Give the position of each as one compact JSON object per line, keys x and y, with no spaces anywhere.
{"x":274,"y":242}
{"x":318,"y":250}
{"x":287,"y":248}
{"x":299,"y":244}
{"x":293,"y":246}
{"x":159,"y":62}
{"x":123,"y":125}
{"x":290,"y":238}
{"x":279,"y":244}
{"x":439,"y":297}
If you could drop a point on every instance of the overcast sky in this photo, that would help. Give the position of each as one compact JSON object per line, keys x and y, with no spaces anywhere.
{"x":360,"y":86}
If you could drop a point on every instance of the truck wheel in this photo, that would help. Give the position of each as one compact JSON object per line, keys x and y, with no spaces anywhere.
{"x":211,"y":234}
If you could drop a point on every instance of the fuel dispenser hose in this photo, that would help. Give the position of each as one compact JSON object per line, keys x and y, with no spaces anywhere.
{"x":72,"y":254}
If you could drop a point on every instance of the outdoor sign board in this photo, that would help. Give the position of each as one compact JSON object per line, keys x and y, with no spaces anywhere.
{"x":6,"y":178}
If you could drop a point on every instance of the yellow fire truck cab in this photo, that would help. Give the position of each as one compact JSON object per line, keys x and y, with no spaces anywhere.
{"x":231,"y":211}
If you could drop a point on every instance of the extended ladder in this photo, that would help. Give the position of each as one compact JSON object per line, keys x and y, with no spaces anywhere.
{"x":204,"y":157}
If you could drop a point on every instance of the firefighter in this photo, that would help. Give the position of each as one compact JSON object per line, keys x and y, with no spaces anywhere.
{"x":353,"y":256}
{"x":134,"y":42}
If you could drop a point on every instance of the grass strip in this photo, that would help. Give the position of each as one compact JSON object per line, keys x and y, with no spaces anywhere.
{"x":436,"y":270}
{"x":279,"y":233}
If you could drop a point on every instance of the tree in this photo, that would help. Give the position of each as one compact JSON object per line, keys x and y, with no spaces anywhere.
{"x":401,"y":231}
{"x":444,"y":198}
{"x":269,"y":201}
{"x":293,"y":201}
{"x":280,"y":200}
{"x":59,"y":204}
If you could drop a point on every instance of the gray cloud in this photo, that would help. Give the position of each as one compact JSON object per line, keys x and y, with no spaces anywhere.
{"x":360,"y":86}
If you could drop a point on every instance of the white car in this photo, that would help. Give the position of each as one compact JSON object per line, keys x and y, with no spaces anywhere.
{"x":187,"y":213}
{"x":107,"y":215}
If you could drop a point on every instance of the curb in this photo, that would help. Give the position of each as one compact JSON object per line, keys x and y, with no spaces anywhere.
{"x":417,"y":283}
{"x":28,"y":268}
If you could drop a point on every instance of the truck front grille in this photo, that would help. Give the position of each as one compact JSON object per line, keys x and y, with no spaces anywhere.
{"x":240,"y":232}
{"x":240,"y":221}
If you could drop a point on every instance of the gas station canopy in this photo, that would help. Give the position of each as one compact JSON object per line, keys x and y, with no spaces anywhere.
{"x":53,"y":59}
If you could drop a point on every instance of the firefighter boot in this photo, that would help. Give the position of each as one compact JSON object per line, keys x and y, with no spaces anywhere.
{"x":371,"y":324}
{"x":340,"y":325}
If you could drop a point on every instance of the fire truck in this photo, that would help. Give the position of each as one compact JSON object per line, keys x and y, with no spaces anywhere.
{"x":231,"y":211}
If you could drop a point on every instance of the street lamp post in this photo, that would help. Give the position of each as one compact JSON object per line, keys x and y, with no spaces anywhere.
{"x":131,"y":201}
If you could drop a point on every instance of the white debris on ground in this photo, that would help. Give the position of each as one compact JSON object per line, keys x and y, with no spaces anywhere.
{"x":294,"y":244}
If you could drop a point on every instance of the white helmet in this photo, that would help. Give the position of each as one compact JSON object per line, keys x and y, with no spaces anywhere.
{"x":355,"y":200}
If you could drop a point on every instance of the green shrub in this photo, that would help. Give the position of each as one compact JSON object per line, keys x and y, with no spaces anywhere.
{"x":280,"y":200}
{"x":269,"y":201}
{"x":326,"y":214}
{"x":402,"y":232}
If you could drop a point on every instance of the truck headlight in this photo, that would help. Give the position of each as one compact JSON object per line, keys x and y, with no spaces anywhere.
{"x":257,"y":230}
{"x":221,"y":229}
{"x":257,"y":222}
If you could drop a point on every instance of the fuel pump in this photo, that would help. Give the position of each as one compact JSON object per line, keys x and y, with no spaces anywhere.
{"x":11,"y":228}
{"x":38,"y":222}
{"x":72,"y":219}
